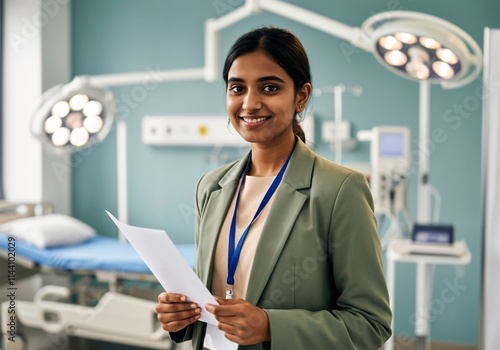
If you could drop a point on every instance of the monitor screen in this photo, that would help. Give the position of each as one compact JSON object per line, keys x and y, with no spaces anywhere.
{"x":391,"y":145}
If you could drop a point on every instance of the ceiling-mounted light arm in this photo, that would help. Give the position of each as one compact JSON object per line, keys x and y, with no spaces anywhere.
{"x":213,"y":26}
{"x":212,"y":56}
{"x":354,"y":35}
{"x":249,"y":8}
{"x":135,"y":78}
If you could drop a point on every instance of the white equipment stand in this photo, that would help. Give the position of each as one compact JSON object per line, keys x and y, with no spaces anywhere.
{"x":425,"y":274}
{"x":389,"y":162}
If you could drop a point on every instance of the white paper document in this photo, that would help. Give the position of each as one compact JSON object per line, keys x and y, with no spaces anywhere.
{"x":175,"y":275}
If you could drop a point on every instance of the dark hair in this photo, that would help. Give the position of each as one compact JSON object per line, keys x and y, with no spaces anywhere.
{"x":281,"y":46}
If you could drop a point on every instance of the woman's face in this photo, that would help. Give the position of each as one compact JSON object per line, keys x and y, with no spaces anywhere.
{"x":261,"y":100}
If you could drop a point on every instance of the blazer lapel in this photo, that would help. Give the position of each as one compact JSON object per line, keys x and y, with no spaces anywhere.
{"x":281,"y":218}
{"x":213,"y":218}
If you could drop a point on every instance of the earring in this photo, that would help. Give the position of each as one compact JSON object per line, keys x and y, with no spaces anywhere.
{"x":300,"y":106}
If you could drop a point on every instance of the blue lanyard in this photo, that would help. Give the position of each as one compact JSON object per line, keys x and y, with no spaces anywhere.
{"x":234,"y":253}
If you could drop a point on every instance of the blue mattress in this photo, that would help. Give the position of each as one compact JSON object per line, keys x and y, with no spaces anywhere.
{"x":98,"y":253}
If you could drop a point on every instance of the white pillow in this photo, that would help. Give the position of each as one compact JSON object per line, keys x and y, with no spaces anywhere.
{"x":52,"y":230}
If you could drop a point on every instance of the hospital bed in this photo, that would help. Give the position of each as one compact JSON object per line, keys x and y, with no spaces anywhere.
{"x":119,"y":313}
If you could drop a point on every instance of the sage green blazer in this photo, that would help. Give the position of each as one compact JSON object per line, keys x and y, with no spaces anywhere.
{"x":318,"y":269}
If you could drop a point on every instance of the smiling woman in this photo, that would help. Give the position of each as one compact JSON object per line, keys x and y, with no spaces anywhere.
{"x":284,"y":64}
{"x":289,"y":238}
{"x":262,"y":102}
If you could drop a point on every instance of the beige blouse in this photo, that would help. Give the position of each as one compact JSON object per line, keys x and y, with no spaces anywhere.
{"x":252,"y":192}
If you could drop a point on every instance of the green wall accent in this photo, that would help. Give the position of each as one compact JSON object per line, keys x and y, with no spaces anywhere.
{"x":116,"y":36}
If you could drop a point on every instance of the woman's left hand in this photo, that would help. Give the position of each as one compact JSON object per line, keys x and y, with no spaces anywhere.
{"x":243,"y":322}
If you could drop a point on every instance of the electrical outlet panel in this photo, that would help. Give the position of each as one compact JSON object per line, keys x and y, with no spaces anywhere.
{"x":189,"y":131}
{"x":328,"y":131}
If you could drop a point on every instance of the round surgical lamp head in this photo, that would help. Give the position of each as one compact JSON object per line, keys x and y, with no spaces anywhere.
{"x":74,"y":116}
{"x":421,"y":47}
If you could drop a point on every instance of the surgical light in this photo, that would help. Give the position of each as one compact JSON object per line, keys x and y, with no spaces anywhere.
{"x":428,"y":59}
{"x":443,"y":69}
{"x":60,"y":109}
{"x":390,"y":42}
{"x":74,"y":116}
{"x":429,"y":43}
{"x":52,"y":124}
{"x":446,"y":55}
{"x":79,"y":137}
{"x":395,"y":58}
{"x":77,"y":102}
{"x":93,"y":123}
{"x":60,"y":137}
{"x":436,"y":51}
{"x":92,"y":108}
{"x":406,"y":38}
{"x":418,"y":71}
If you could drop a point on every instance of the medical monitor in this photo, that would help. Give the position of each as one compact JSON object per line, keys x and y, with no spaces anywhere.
{"x":392,"y":144}
{"x":390,"y":161}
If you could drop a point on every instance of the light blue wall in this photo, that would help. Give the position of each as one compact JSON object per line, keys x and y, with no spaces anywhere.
{"x":116,"y":36}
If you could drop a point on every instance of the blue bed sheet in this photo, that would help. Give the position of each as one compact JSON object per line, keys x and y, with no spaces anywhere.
{"x":98,"y":253}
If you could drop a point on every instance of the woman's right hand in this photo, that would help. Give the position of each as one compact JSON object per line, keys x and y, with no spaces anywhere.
{"x":175,"y":312}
